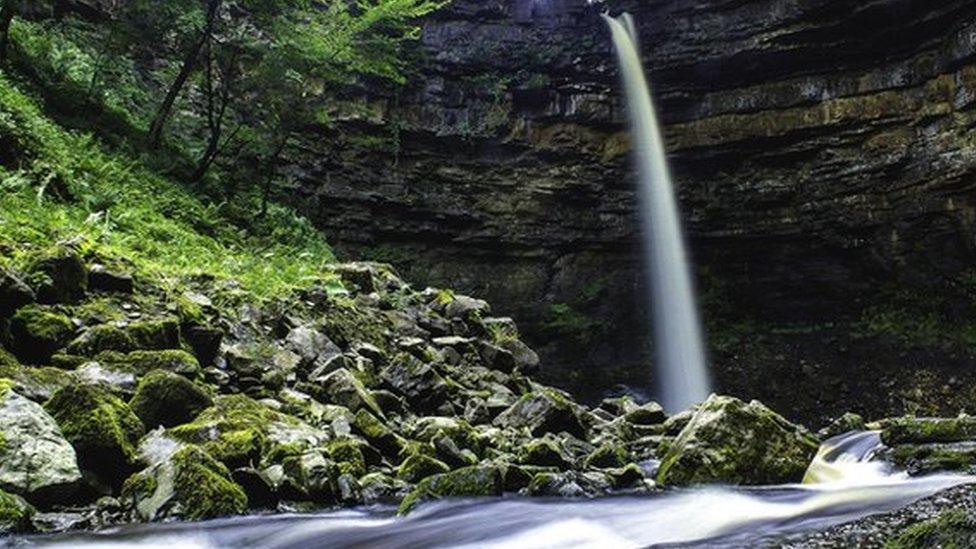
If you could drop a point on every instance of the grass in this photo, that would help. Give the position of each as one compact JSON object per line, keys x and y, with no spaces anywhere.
{"x":61,"y":186}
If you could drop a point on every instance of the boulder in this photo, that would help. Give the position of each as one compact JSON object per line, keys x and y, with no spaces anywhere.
{"x":189,"y":484}
{"x":60,"y":277}
{"x":100,"y":426}
{"x":103,"y":337}
{"x":647,"y":414}
{"x":38,"y":333}
{"x":915,"y":430}
{"x":15,"y":514}
{"x":205,"y":343}
{"x":343,"y":388}
{"x":37,"y":384}
{"x":475,"y":481}
{"x":168,"y":399}
{"x":466,"y":308}
{"x":35,"y":459}
{"x":496,"y":357}
{"x":569,"y":484}
{"x":143,"y":362}
{"x":526,"y":360}
{"x":730,"y":441}
{"x":101,"y":279}
{"x":377,"y":433}
{"x":419,"y":466}
{"x":14,"y":293}
{"x":544,"y":411}
{"x":311,"y":345}
{"x":546,"y":451}
{"x":423,"y":387}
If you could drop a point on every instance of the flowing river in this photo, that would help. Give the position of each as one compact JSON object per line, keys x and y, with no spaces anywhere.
{"x":843,"y":483}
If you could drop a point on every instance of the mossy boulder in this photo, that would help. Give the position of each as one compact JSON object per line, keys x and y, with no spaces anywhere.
{"x":921,"y":459}
{"x":377,"y":433}
{"x":37,"y":384}
{"x":607,"y":456}
{"x":168,"y":399}
{"x":730,"y":441}
{"x":59,"y":277}
{"x":546,"y":451}
{"x":101,"y":427}
{"x":419,"y":466}
{"x":103,"y":337}
{"x":239,"y":431}
{"x":143,"y":362}
{"x":38,"y":333}
{"x":190,"y":485}
{"x":15,"y":514}
{"x":35,"y":459}
{"x":569,"y":484}
{"x":915,"y":430}
{"x":348,"y":454}
{"x":951,"y":529}
{"x":343,"y":388}
{"x":475,"y":481}
{"x":544,"y":411}
{"x":158,"y":335}
{"x":423,"y":387}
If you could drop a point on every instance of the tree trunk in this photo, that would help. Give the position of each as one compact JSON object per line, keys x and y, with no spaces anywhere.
{"x":189,"y":64}
{"x":6,"y":17}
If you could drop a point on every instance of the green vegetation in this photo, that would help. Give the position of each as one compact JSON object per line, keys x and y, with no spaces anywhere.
{"x":951,"y":530}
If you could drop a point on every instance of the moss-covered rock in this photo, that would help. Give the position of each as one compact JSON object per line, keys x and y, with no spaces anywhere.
{"x":155,"y":335}
{"x":476,"y":481}
{"x":954,"y":529}
{"x":143,"y":362}
{"x":190,"y":485}
{"x":423,"y":387}
{"x":569,"y":484}
{"x":913,"y":430}
{"x":730,"y":441}
{"x":59,"y":277}
{"x":240,"y":431}
{"x":348,"y":454}
{"x":341,"y":387}
{"x":100,"y":426}
{"x":544,"y":451}
{"x":544,"y":411}
{"x":419,"y":466}
{"x":607,"y":456}
{"x":168,"y":399}
{"x":37,"y":384}
{"x":38,"y":333}
{"x":377,"y":433}
{"x":103,"y":337}
{"x":15,"y":514}
{"x":310,"y":476}
{"x":920,"y":459}
{"x":14,"y":293}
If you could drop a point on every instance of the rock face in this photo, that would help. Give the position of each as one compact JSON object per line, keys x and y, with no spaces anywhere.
{"x":729,"y":441}
{"x":822,"y":150}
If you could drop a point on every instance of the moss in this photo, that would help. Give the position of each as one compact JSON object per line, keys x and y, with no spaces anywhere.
{"x":38,"y":333}
{"x":922,"y":430}
{"x":15,"y":514}
{"x":36,"y":383}
{"x":927,"y":458}
{"x":7,"y":360}
{"x":378,"y":434}
{"x":167,"y":399}
{"x":607,"y":456}
{"x":348,"y":455}
{"x":143,"y":362}
{"x":104,"y":337}
{"x":203,"y":486}
{"x":419,"y":466}
{"x":475,"y":481}
{"x":67,"y":362}
{"x":155,"y":334}
{"x":953,"y":529}
{"x":544,"y":451}
{"x":100,"y":426}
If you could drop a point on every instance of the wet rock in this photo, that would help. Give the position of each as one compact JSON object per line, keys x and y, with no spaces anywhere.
{"x":607,"y":456}
{"x":545,"y":451}
{"x":844,"y":424}
{"x":15,"y":514}
{"x":477,"y":481}
{"x":168,"y":399}
{"x":950,"y":529}
{"x":36,"y":460}
{"x":311,"y":345}
{"x":618,"y":406}
{"x":205,"y":343}
{"x":311,"y":476}
{"x":120,"y":382}
{"x":569,"y":484}
{"x":37,"y":384}
{"x":419,"y":466}
{"x":914,"y":430}
{"x":14,"y":293}
{"x":382,"y":488}
{"x":60,"y":278}
{"x":190,"y":485}
{"x":648,"y":414}
{"x":526,"y":360}
{"x":423,"y":387}
{"x":100,"y":278}
{"x":730,"y":441}
{"x":343,"y":388}
{"x":543,"y":411}
{"x":921,"y":459}
{"x":377,"y":433}
{"x":38,"y":333}
{"x":101,"y":427}
{"x":496,"y":357}
{"x":104,"y":337}
{"x":258,"y":487}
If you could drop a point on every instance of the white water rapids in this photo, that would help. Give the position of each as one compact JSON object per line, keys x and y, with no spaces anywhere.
{"x":855,"y":486}
{"x":678,"y":344}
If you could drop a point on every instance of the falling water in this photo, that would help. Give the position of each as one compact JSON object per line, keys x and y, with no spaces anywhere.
{"x":677,"y":331}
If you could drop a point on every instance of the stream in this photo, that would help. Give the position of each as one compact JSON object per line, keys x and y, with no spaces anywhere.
{"x":843,"y":483}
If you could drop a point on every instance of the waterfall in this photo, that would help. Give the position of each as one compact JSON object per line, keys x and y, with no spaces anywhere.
{"x":680,"y":354}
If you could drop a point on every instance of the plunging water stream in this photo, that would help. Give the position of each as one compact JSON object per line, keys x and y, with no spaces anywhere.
{"x":844,"y":483}
{"x":677,"y":330}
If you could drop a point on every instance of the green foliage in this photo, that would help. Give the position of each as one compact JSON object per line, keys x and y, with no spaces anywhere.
{"x":565,"y":320}
{"x":165,"y":233}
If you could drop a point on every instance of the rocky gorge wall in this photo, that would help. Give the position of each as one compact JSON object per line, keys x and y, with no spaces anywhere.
{"x":823,"y":151}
